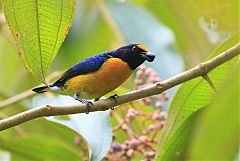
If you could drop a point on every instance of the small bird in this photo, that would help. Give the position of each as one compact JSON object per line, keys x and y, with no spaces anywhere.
{"x":100,"y":74}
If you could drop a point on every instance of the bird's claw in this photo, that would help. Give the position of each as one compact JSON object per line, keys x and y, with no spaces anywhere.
{"x":113,"y":98}
{"x":83,"y":101}
{"x":88,"y":104}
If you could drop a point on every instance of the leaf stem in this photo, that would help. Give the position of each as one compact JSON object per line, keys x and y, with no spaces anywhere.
{"x":124,"y":126}
{"x":104,"y":11}
{"x":210,"y":82}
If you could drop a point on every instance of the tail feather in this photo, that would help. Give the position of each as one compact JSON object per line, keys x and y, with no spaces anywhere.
{"x":40,"y":89}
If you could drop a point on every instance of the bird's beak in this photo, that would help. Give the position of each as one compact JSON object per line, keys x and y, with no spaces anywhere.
{"x":148,"y":56}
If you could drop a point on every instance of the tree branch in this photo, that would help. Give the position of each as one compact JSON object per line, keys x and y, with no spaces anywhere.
{"x":25,"y":94}
{"x":16,"y":98}
{"x":102,"y":105}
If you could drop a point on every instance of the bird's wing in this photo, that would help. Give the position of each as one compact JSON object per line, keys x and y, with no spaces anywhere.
{"x":88,"y":65}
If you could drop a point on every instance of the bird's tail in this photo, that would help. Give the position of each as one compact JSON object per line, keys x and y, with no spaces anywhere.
{"x":41,"y":89}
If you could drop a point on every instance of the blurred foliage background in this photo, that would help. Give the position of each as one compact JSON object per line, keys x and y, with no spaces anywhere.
{"x":182,"y":34}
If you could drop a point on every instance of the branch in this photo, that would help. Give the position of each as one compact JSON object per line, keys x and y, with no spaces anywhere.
{"x":16,"y":98}
{"x":25,"y":94}
{"x":102,"y":105}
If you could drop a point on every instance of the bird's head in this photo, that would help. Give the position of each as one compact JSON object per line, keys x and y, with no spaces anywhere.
{"x":133,"y":54}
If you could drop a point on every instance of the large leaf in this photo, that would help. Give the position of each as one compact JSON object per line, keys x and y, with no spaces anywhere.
{"x":40,"y":148}
{"x":190,"y":97}
{"x":13,"y":68}
{"x":94,"y":127}
{"x":182,"y":18}
{"x":198,"y":25}
{"x":216,"y":132}
{"x":39,"y":28}
{"x":56,"y":143}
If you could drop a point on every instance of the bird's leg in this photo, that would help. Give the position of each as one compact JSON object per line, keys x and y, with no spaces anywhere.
{"x":83,"y":101}
{"x":97,"y":99}
{"x":113,"y":97}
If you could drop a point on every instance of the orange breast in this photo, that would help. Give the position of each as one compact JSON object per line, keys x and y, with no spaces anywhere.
{"x":96,"y":84}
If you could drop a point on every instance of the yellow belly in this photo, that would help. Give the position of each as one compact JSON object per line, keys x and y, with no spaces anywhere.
{"x":96,"y":84}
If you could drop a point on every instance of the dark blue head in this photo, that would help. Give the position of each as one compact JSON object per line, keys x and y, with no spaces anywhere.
{"x":133,"y":54}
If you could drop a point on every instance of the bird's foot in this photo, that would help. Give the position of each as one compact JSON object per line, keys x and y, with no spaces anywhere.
{"x":88,"y":104}
{"x":113,"y":98}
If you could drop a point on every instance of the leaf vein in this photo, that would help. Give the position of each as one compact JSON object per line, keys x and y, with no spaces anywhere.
{"x":39,"y":41}
{"x":60,"y":23}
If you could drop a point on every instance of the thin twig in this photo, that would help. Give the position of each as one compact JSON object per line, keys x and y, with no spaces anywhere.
{"x":102,"y":105}
{"x":124,"y":126}
{"x":16,"y":98}
{"x":25,"y":94}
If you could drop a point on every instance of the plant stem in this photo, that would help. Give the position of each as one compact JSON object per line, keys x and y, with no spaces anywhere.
{"x":26,"y":94}
{"x":210,"y":82}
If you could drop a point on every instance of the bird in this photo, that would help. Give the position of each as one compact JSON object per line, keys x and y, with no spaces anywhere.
{"x":100,"y":74}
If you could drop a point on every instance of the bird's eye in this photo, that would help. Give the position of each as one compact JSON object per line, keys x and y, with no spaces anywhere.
{"x":134,"y":48}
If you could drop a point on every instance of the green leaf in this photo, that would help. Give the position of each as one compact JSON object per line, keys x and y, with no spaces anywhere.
{"x":216,"y":132}
{"x":88,"y":126}
{"x":191,"y":96}
{"x":183,"y":19}
{"x":39,"y":28}
{"x":83,"y":40}
{"x":198,"y":25}
{"x":56,"y":143}
{"x":51,"y":149}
